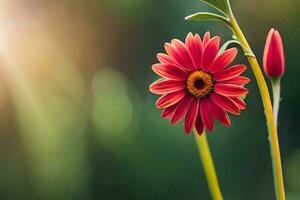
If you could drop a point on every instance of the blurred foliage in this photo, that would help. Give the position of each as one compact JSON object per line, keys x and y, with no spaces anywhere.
{"x":78,"y":122}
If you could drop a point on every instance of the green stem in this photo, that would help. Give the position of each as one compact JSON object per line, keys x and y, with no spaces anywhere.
{"x":272,"y":130}
{"x":208,"y":166}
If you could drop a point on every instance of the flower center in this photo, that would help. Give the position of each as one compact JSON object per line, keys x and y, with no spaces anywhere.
{"x":199,"y":83}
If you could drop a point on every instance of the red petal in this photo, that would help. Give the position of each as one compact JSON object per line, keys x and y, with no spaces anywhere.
{"x":166,"y":86}
{"x":199,"y":124}
{"x":225,"y":103}
{"x":182,"y":108}
{"x":240,"y":80}
{"x":169,"y":71}
{"x":206,"y":38}
{"x":164,"y":58}
{"x":230,"y":90}
{"x":223,"y":60}
{"x":175,"y":54}
{"x":170,"y":99}
{"x":191,"y":116}
{"x":240,"y":102}
{"x":168,"y":112}
{"x":184,"y":53}
{"x":218,"y":112}
{"x":206,"y":115}
{"x":230,"y":73}
{"x":210,"y":52}
{"x":195,"y":46}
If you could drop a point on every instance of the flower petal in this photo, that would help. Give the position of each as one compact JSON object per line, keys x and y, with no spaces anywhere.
{"x":184,"y":53}
{"x":169,"y":71}
{"x":230,"y":90}
{"x":168,"y":112}
{"x":182,"y":108}
{"x":223,"y":60}
{"x":170,"y":99}
{"x":166,"y":86}
{"x":175,"y":54}
{"x":164,"y":58}
{"x":230,"y":73}
{"x":240,"y":80}
{"x":210,"y":52}
{"x":239,"y":102}
{"x":199,"y":124}
{"x":191,"y":116}
{"x":206,"y":115}
{"x":218,"y":112}
{"x":226,"y":103}
{"x":195,"y":46}
{"x":206,"y":38}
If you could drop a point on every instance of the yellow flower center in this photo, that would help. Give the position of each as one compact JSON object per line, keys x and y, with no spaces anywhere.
{"x":199,"y":83}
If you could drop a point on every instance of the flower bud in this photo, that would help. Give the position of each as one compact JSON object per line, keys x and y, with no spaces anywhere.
{"x":273,"y":59}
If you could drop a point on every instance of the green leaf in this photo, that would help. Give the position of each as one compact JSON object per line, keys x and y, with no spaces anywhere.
{"x":247,"y":52}
{"x":221,"y":5}
{"x":206,"y":16}
{"x":226,"y":44}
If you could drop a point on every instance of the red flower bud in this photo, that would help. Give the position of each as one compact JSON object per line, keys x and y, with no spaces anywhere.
{"x":273,"y":60}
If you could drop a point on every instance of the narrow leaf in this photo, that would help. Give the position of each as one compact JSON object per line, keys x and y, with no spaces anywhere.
{"x":206,"y":16}
{"x":226,"y":44}
{"x":247,"y":52}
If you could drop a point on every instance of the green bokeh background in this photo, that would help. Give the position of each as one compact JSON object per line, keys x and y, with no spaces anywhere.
{"x":78,"y":122}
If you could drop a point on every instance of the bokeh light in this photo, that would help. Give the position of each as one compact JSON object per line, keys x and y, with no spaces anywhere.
{"x":112,"y":106}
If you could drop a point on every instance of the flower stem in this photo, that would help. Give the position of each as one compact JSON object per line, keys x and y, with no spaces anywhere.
{"x":273,"y":136}
{"x":276,"y":98}
{"x":208,"y":166}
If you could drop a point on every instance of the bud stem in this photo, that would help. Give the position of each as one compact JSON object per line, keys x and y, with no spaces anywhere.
{"x":276,"y":98}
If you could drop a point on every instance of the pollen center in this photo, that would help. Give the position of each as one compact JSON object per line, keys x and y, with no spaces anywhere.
{"x":199,"y":83}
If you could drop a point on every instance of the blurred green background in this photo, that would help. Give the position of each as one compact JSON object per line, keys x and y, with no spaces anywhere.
{"x":77,"y":120}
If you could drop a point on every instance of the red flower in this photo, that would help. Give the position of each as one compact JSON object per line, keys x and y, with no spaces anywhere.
{"x":274,"y":55}
{"x":196,"y":84}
